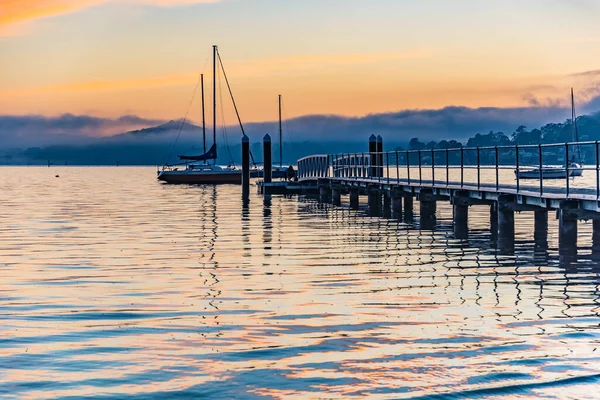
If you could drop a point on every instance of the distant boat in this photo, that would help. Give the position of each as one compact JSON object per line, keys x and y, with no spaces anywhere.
{"x":200,"y":172}
{"x":575,"y":166}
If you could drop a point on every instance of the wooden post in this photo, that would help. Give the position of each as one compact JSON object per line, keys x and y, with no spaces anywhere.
{"x":428,"y":207}
{"x":354,"y":198}
{"x":461,"y":219}
{"x":409,"y":212}
{"x":397,"y":204}
{"x":268,"y":159}
{"x":387,"y":203}
{"x":506,"y":225}
{"x":494,"y":222}
{"x":373,"y":154}
{"x":596,"y":239}
{"x":379,"y":156}
{"x":245,"y":166}
{"x":567,"y":230}
{"x":540,"y":230}
{"x":374,"y":201}
{"x":336,"y":195}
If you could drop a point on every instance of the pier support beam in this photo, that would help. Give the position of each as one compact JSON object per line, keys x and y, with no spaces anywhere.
{"x":387,"y":204}
{"x":567,"y":229}
{"x":428,"y":207}
{"x":506,"y":226}
{"x":396,"y":204}
{"x":354,"y":198}
{"x":245,"y":167}
{"x":540,"y":230}
{"x":461,"y":221}
{"x":409,"y":212}
{"x":336,"y":195}
{"x":374,"y":201}
{"x":268,"y":159}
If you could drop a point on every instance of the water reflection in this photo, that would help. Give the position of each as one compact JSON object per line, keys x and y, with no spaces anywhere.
{"x":116,"y":286}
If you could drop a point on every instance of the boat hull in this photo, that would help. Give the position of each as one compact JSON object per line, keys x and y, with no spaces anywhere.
{"x":201,"y":178}
{"x":549,"y":173}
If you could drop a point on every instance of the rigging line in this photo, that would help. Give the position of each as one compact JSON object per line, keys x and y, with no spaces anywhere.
{"x":233,"y":101}
{"x":171,"y":147}
{"x":224,"y":126}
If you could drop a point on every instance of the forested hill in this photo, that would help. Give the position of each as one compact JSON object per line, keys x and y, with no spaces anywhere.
{"x":588,"y":127}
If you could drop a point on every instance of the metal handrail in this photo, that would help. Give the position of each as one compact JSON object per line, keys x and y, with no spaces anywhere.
{"x":525,"y":161}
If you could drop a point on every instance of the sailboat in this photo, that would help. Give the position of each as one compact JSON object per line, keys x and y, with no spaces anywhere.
{"x":196,"y":169}
{"x":575,"y":166}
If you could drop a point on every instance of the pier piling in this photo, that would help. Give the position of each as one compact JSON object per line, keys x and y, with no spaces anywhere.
{"x":596,"y":238}
{"x":374,"y":201}
{"x":354,"y":198}
{"x":396,"y":204}
{"x":540,"y":230}
{"x":268,"y":159}
{"x":379,"y":156}
{"x":324,"y":192}
{"x":428,"y":207}
{"x":245,"y":166}
{"x":336,"y":195}
{"x":494,"y":222}
{"x":373,"y":155}
{"x":506,"y":225}
{"x":409,"y":213}
{"x":387,"y":204}
{"x":567,"y":229}
{"x":461,"y":220}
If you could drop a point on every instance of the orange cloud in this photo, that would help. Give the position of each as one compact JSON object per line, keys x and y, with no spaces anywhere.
{"x":14,"y":12}
{"x":106,"y":85}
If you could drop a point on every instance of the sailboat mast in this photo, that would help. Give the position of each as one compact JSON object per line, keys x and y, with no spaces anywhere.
{"x":574,"y":121}
{"x":215,"y":96}
{"x":203,"y":116}
{"x":280,"y":137}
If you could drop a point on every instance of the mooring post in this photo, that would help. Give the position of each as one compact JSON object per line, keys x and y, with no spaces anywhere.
{"x":387,"y":203}
{"x":268,"y":158}
{"x":567,"y":229}
{"x":428,"y":207}
{"x":354,"y":197}
{"x":336,"y":195}
{"x":374,"y":200}
{"x":373,"y":155}
{"x":540,"y":228}
{"x":396,"y":204}
{"x":461,"y":218}
{"x":506,"y":224}
{"x":245,"y":166}
{"x":409,"y":212}
{"x":379,"y":156}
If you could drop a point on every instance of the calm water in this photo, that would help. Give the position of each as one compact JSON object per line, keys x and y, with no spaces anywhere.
{"x":117,"y":286}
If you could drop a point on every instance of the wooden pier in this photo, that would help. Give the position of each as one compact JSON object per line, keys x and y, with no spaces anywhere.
{"x":463,"y":177}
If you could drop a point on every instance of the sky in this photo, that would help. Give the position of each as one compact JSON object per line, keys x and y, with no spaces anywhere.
{"x":108,"y":58}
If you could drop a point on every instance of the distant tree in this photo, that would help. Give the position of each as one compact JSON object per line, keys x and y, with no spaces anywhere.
{"x":416,"y":144}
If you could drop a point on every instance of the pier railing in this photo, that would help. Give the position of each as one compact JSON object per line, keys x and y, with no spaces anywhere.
{"x":563,"y":170}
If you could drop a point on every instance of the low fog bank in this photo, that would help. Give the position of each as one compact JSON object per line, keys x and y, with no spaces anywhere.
{"x":85,"y":140}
